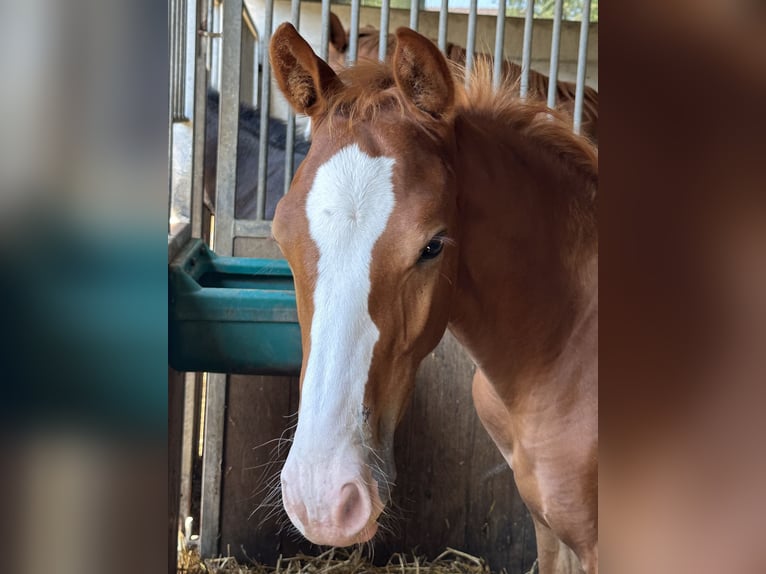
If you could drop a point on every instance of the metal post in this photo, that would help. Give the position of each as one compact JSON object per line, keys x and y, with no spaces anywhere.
{"x":324,"y":48}
{"x":178,"y":59}
{"x":256,"y":63}
{"x":223,"y":241}
{"x":295,"y":19}
{"x":215,"y":44}
{"x":202,"y":48}
{"x":443,"y":13}
{"x":263,"y":143}
{"x":553,"y":73}
{"x":228,"y":130}
{"x":582,"y":61}
{"x":470,"y":42}
{"x":385,"y":12}
{"x":414,"y":14}
{"x":526,"y":53}
{"x":497,"y":72}
{"x":353,"y":42}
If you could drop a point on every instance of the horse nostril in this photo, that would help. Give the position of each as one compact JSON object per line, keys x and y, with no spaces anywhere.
{"x":350,"y":500}
{"x":353,"y":509}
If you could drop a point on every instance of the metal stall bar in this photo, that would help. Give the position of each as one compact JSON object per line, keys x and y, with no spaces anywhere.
{"x":353,"y":44}
{"x":202,"y":42}
{"x":324,"y":48}
{"x":178,"y":59}
{"x":582,"y":61}
{"x":497,"y":72}
{"x":178,"y":111}
{"x":228,"y":130}
{"x":443,"y":13}
{"x":255,"y":65}
{"x":553,"y":73}
{"x":263,"y":143}
{"x":470,"y":42}
{"x":215,"y":46}
{"x":526,"y":51}
{"x":385,"y":12}
{"x":210,"y":512}
{"x":295,"y":20}
{"x":414,"y":14}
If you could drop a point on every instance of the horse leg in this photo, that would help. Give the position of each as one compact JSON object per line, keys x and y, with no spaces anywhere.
{"x":553,"y":556}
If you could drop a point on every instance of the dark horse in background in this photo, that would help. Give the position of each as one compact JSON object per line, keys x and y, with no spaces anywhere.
{"x":247,"y":158}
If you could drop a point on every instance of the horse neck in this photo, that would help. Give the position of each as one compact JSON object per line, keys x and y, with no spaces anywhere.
{"x":527,"y":273}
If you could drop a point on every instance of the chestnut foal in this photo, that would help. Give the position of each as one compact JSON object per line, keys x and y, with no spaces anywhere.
{"x":422,"y":206}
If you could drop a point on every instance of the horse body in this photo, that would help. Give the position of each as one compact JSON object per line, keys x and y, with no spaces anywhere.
{"x":531,"y":327}
{"x":419,"y":208}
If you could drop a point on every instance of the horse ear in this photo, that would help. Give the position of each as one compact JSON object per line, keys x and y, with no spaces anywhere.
{"x":338,"y":36}
{"x":422,"y":73}
{"x":306,"y":81}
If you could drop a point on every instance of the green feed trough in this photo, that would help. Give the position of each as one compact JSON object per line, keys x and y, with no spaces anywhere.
{"x":232,"y":315}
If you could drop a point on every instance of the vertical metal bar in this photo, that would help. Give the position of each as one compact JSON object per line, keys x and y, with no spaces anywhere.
{"x":443,"y":13}
{"x":263,"y":144}
{"x":497,"y":72}
{"x":256,"y":57}
{"x":212,"y":23}
{"x":324,"y":47}
{"x":201,"y":51}
{"x":582,"y":62}
{"x":470,"y":42}
{"x":553,"y":73}
{"x":182,"y":16}
{"x":353,"y":42}
{"x":295,"y":20}
{"x":215,"y":60}
{"x":190,"y":42}
{"x":228,"y":130}
{"x":414,"y":14}
{"x":295,"y":13}
{"x":385,"y":12}
{"x":170,"y":122}
{"x":210,"y":511}
{"x":526,"y":52}
{"x":175,"y":35}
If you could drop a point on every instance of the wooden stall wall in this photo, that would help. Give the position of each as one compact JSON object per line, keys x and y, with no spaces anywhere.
{"x":453,"y":487}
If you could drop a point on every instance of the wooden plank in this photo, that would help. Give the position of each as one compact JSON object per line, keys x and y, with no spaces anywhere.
{"x":189,"y":443}
{"x":258,"y":414}
{"x":210,"y":513}
{"x":175,"y":434}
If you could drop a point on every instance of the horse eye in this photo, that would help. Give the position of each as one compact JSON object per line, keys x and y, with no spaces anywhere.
{"x":433,"y":249}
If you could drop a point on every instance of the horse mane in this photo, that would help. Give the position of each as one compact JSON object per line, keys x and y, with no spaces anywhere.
{"x":548,"y":130}
{"x":369,"y":88}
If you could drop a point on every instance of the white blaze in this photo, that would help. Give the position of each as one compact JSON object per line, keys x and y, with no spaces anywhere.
{"x":348,"y":208}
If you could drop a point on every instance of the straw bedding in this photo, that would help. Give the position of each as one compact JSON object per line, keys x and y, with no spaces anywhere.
{"x":337,"y":561}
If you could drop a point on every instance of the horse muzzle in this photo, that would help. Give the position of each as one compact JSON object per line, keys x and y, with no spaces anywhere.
{"x":331,"y":508}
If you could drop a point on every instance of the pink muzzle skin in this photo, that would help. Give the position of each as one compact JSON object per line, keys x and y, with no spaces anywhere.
{"x":338,"y":517}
